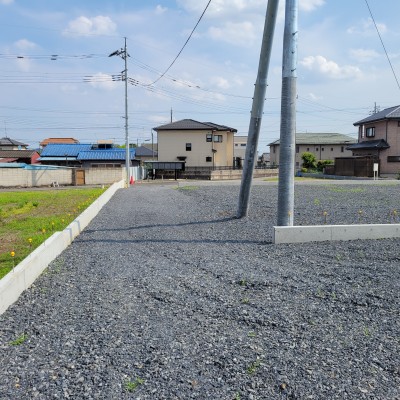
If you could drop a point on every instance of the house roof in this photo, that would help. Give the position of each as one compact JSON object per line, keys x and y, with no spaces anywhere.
{"x":192,"y":125}
{"x":45,"y":142}
{"x":369,"y":144}
{"x":64,"y":150}
{"x":387,"y":113}
{"x":6,"y":141}
{"x":106,"y":154}
{"x":17,"y":153}
{"x":320,"y":138}
{"x":143,"y":151}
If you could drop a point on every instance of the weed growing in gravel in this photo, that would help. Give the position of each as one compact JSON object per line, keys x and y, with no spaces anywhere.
{"x":245,"y":300}
{"x":57,"y":266}
{"x":253,"y":367}
{"x":187,"y":188}
{"x":243,"y":282}
{"x":367,"y":332}
{"x":19,"y":340}
{"x":342,"y":189}
{"x":130,"y":386}
{"x":251,"y":334}
{"x":320,"y":293}
{"x":237,"y":396}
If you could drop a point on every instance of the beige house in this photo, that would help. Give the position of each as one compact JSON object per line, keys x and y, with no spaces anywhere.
{"x":198,"y":144}
{"x":324,"y":146}
{"x":7,"y":143}
{"x":379,"y":138}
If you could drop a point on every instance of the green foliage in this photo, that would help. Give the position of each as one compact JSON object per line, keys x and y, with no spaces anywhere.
{"x":309,"y":160}
{"x":253,"y":367}
{"x":322,"y":163}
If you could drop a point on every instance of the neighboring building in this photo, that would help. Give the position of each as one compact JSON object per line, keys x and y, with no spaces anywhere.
{"x":324,"y":146}
{"x":199,"y":144}
{"x":239,"y":150}
{"x":143,"y":153}
{"x":45,"y":142}
{"x":379,"y":139}
{"x":264,"y":160}
{"x":19,"y":156}
{"x":9,"y":144}
{"x":98,"y":155}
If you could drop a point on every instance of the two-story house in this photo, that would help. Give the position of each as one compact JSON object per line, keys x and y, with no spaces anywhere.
{"x":198,"y":144}
{"x":379,"y":138}
{"x":324,"y":146}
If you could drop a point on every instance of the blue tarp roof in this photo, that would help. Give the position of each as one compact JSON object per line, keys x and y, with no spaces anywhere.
{"x":28,"y":166}
{"x":106,"y":154}
{"x":63,"y":150}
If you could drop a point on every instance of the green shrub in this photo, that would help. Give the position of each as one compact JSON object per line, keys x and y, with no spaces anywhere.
{"x":309,"y":160}
{"x":322,"y":163}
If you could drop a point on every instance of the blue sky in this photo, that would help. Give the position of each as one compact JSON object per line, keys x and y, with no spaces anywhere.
{"x":56,"y":76}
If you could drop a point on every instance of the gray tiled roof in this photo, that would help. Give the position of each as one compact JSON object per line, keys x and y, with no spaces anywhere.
{"x":6,"y":141}
{"x":143,"y":151}
{"x":320,"y":138}
{"x":387,"y":113}
{"x":192,"y":125}
{"x":17,"y":153}
{"x":369,"y":144}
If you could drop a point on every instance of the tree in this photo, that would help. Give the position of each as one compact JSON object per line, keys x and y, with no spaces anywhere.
{"x":309,"y":160}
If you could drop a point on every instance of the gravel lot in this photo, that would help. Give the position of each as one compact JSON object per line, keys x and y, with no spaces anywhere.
{"x":167,"y":296}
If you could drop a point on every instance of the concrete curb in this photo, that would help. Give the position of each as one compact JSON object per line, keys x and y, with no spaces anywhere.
{"x":320,"y":233}
{"x":26,"y":272}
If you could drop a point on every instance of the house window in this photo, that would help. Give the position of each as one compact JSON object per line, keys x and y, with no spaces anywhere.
{"x":297,"y":149}
{"x":208,"y":159}
{"x":331,"y":148}
{"x":308,"y":149}
{"x":243,"y":144}
{"x":393,"y":159}
{"x":273,"y":149}
{"x":322,"y":149}
{"x":370,"y":132}
{"x":398,"y":123}
{"x":188,"y":146}
{"x":236,"y":145}
{"x":342,"y":149}
{"x":316,"y":149}
{"x":208,"y":137}
{"x":218,"y":138}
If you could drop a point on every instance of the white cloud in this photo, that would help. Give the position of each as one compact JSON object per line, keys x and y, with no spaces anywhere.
{"x":6,"y":2}
{"x":83,"y":26}
{"x":241,"y":33}
{"x":221,"y":82}
{"x":310,"y":5}
{"x":24,"y":44}
{"x":160,"y":9}
{"x":329,"y":68}
{"x":367,"y":27}
{"x":364,"y":55}
{"x":103,"y":81}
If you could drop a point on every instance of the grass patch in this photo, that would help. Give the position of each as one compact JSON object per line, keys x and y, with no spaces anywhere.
{"x":341,"y":189}
{"x":28,"y":218}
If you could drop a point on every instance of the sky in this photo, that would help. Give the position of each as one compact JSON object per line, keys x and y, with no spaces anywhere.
{"x":57,"y":79}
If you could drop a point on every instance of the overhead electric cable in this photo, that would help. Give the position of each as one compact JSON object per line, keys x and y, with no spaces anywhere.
{"x":180,"y":51}
{"x":384,"y":48}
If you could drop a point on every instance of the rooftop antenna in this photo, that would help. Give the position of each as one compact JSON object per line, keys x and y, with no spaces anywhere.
{"x":5,"y":128}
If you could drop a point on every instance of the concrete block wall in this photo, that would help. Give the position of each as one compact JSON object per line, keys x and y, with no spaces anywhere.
{"x":103,"y":176}
{"x":18,"y":177}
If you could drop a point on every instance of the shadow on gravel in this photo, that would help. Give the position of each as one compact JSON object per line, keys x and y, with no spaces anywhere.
{"x":163,"y":225}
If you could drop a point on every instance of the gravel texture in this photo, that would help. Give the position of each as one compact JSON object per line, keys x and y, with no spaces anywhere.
{"x":167,"y":296}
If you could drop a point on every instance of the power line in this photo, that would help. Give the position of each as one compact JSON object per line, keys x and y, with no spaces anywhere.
{"x":187,"y":41}
{"x":384,"y":48}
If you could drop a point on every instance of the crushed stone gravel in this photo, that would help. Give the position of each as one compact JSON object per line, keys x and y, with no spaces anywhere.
{"x":166,"y":295}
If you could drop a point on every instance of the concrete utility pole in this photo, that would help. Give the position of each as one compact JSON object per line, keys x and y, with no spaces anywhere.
{"x":257,"y":108}
{"x":287,"y":147}
{"x":124,"y":55}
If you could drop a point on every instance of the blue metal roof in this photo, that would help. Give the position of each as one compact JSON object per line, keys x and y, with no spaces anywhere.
{"x":106,"y":154}
{"x":64,"y":150}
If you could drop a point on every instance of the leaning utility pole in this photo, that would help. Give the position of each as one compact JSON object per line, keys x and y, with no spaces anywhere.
{"x":257,"y":108}
{"x":124,"y":55}
{"x":287,"y":146}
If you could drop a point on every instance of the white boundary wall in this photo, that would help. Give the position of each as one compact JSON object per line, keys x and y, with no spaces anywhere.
{"x":26,"y":272}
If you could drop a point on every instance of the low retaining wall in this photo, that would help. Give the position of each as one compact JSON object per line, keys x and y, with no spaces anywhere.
{"x":321,"y":233}
{"x":26,"y":272}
